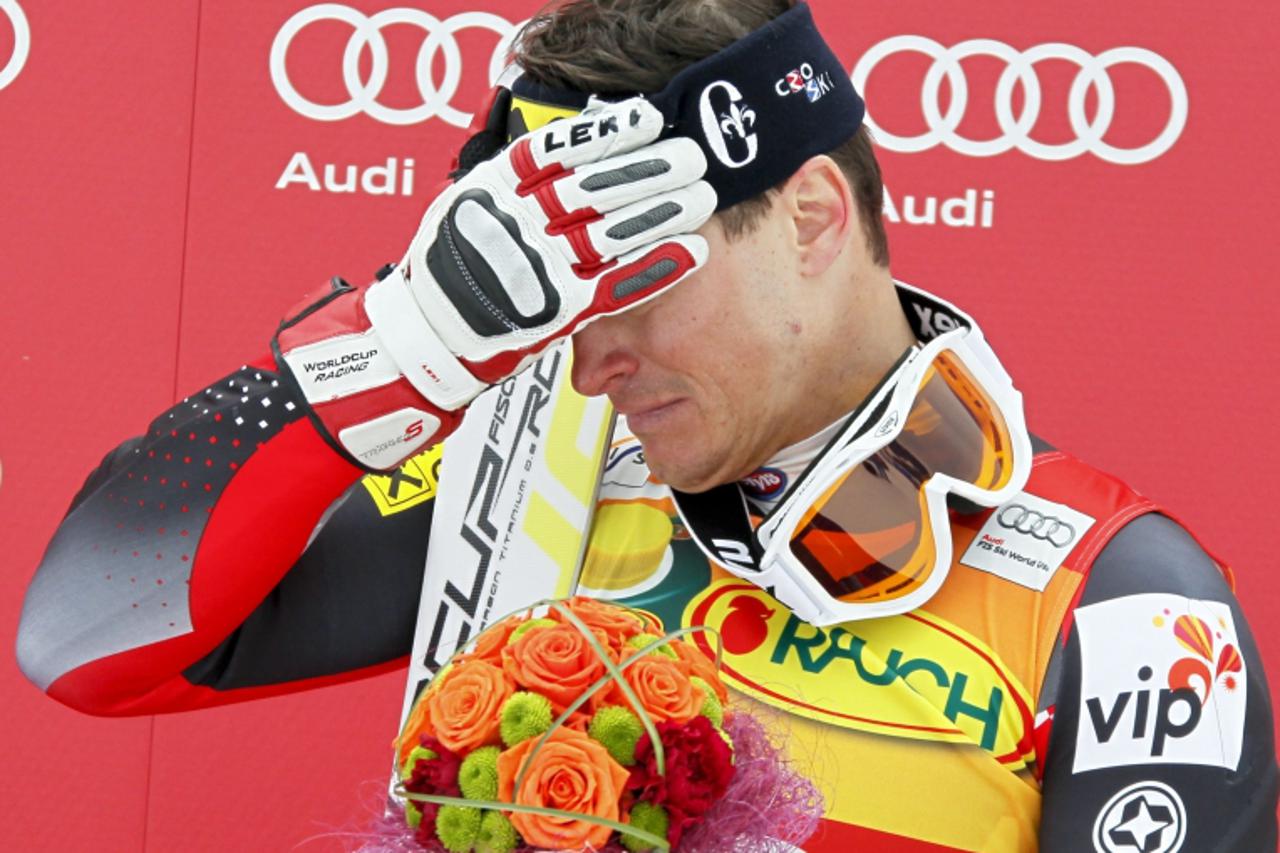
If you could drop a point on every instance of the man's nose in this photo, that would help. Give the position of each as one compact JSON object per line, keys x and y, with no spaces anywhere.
{"x":601,"y":358}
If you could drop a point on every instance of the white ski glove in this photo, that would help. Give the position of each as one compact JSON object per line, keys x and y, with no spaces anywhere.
{"x":582,"y":218}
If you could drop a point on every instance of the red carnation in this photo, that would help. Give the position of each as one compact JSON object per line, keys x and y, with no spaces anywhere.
{"x":699,"y":767}
{"x":426,"y":834}
{"x":437,"y":775}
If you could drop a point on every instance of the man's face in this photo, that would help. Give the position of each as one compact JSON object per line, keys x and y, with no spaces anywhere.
{"x":707,"y":373}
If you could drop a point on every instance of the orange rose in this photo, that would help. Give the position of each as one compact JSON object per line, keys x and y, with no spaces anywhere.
{"x":571,"y":772}
{"x":489,"y":644}
{"x":464,"y":709}
{"x":663,"y":688}
{"x":617,"y":623}
{"x":417,"y":725}
{"x":557,"y":662}
{"x":702,"y":666}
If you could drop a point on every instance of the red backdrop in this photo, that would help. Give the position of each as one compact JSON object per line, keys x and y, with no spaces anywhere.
{"x":158,"y":219}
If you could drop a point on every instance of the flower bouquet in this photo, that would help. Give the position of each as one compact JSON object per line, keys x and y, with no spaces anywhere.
{"x":590,"y":728}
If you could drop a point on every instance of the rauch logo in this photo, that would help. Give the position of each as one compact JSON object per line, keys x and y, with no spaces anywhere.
{"x":769,"y":654}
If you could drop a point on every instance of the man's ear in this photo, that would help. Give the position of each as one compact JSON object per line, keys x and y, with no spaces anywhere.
{"x":820,"y":203}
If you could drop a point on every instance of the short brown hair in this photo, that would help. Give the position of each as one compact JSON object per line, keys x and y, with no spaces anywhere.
{"x":623,"y":47}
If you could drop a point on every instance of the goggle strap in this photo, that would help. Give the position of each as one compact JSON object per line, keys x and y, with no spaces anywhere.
{"x":726,"y":538}
{"x":930,"y":316}
{"x":719,"y":522}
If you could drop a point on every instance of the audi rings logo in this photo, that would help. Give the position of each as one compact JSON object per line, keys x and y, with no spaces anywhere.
{"x":1052,"y":530}
{"x":21,"y":41}
{"x":367,"y":33}
{"x":1015,"y":130}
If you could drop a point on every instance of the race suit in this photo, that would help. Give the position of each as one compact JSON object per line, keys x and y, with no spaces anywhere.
{"x":1084,"y":680}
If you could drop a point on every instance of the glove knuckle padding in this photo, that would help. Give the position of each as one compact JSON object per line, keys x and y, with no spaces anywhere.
{"x":652,"y":219}
{"x":618,"y":181}
{"x":645,"y":273}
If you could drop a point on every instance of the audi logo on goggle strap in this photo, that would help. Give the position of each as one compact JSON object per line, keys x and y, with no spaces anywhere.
{"x":367,"y":33}
{"x":1015,"y":130}
{"x":21,"y":41}
{"x":1052,"y":530}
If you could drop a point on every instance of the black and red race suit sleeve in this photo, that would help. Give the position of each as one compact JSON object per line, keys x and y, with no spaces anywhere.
{"x":1162,"y":734}
{"x":227,"y":554}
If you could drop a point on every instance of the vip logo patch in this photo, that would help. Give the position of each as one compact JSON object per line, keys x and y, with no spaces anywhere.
{"x":407,"y":486}
{"x":1163,"y":682}
{"x":1147,"y":817}
{"x":1026,"y":540}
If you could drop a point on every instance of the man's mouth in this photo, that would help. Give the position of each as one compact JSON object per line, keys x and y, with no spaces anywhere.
{"x":648,"y":417}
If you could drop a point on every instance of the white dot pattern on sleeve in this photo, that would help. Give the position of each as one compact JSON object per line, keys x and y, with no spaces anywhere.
{"x":145,"y":528}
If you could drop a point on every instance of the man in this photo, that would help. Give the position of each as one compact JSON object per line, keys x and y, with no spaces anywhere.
{"x":1052,"y":662}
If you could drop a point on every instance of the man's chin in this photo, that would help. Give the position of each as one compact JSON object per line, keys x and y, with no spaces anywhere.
{"x":690,"y":475}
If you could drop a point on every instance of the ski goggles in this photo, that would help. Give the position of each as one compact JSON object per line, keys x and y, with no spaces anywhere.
{"x":865,"y":531}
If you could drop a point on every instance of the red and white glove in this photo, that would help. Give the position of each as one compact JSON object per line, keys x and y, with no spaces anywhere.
{"x":582,"y":218}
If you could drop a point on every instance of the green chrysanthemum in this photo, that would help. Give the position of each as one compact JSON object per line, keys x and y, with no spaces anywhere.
{"x":525,"y":627}
{"x":650,"y":818}
{"x":711,"y":707}
{"x":496,"y":835}
{"x":478,"y":775}
{"x":639,"y":641}
{"x":417,"y":754}
{"x":618,"y":730}
{"x":523,"y":716}
{"x":457,"y":827}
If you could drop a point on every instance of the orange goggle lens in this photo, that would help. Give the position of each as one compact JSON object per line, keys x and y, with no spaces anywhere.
{"x":868,"y":538}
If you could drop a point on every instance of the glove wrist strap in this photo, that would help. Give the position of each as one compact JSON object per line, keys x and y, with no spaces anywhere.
{"x":416,"y":348}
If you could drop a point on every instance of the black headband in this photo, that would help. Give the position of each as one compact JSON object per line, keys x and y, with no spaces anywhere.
{"x":759,"y":108}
